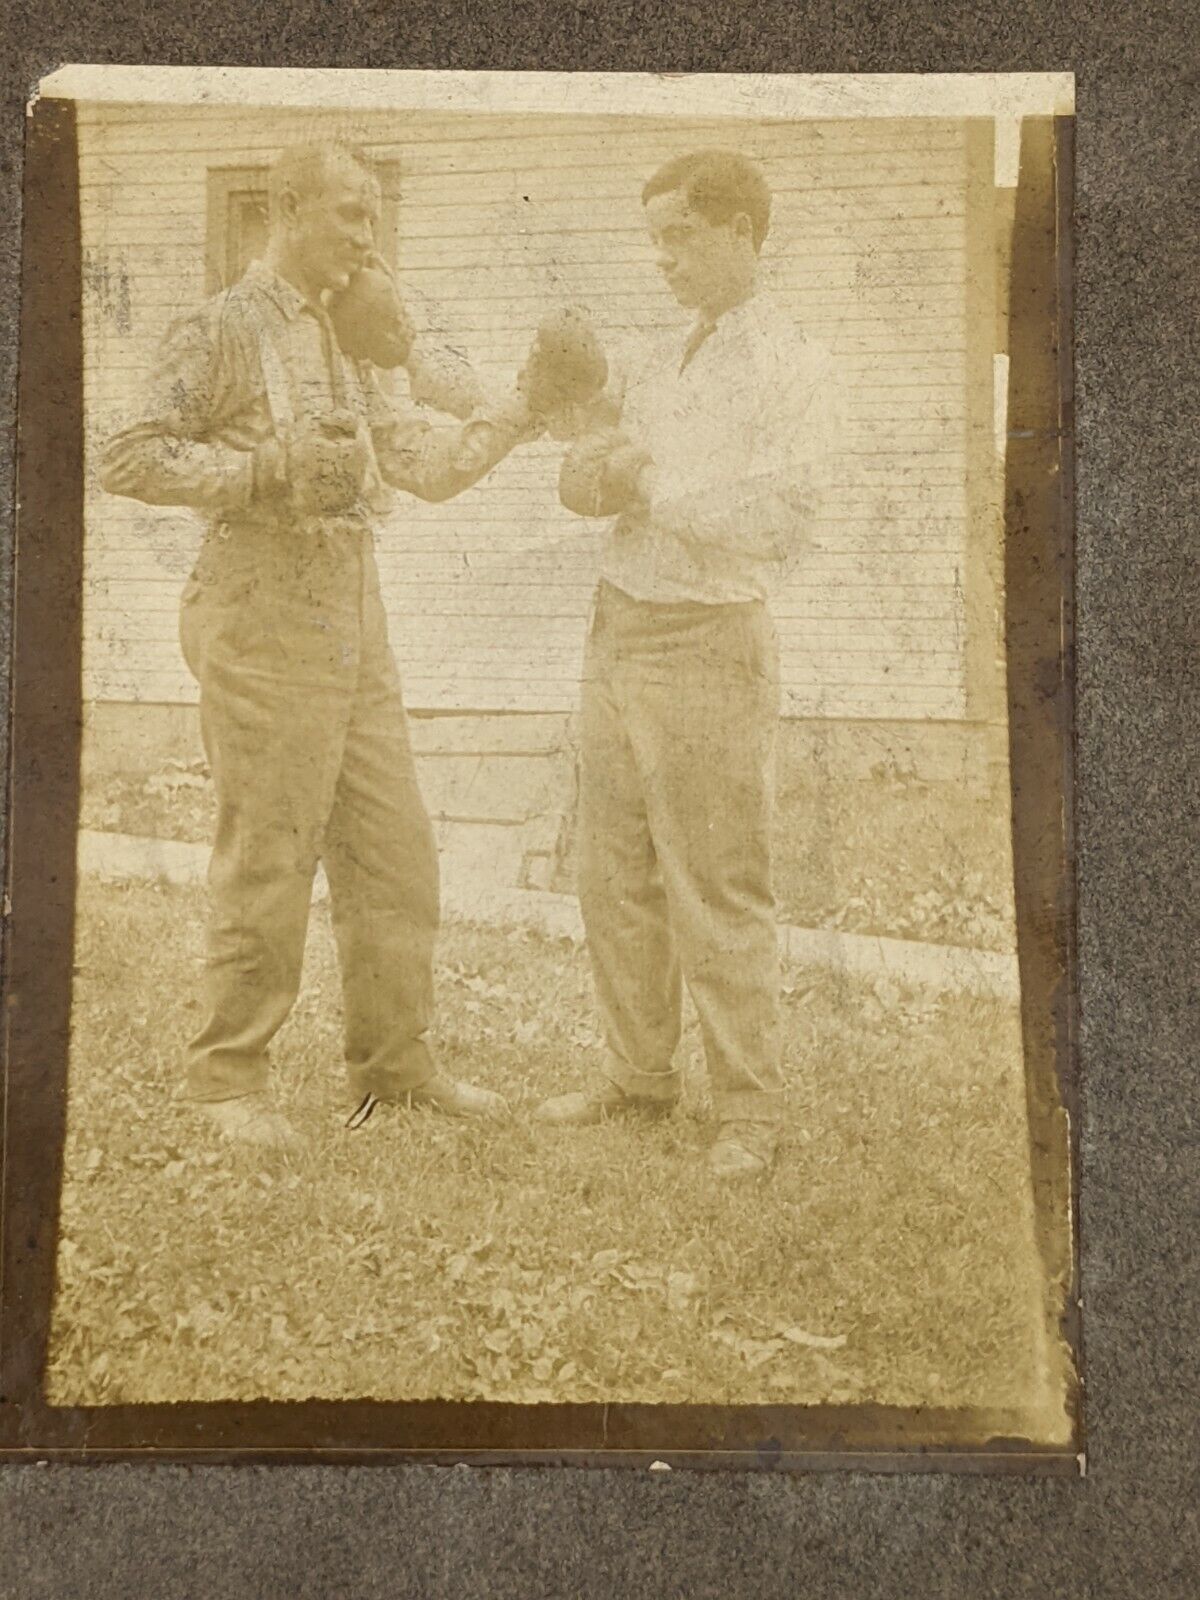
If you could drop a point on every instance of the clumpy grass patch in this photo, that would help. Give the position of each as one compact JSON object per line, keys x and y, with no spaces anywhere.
{"x":890,"y":1257}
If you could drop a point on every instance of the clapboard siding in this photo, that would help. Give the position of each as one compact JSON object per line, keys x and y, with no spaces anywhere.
{"x":499,"y":218}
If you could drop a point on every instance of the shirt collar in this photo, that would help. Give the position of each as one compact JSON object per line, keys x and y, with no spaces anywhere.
{"x":737,"y":319}
{"x":283,"y":294}
{"x":745,"y":314}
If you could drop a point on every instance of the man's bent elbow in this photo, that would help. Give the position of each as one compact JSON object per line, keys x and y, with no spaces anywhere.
{"x":119,"y":474}
{"x":433,"y":494}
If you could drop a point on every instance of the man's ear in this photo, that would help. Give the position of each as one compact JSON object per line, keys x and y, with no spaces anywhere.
{"x":743,"y":227}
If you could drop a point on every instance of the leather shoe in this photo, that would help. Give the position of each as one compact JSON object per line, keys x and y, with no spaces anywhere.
{"x":585,"y":1108}
{"x":456,"y":1099}
{"x":743,"y":1150}
{"x":252,"y":1119}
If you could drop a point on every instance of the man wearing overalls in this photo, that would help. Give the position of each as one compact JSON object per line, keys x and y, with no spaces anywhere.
{"x":256,"y":419}
{"x":712,"y":476}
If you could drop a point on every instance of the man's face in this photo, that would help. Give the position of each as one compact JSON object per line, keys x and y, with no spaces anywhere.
{"x":699,"y":258}
{"x":334,"y":225}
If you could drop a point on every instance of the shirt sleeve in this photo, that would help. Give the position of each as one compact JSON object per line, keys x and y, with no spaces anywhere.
{"x":437,"y":460}
{"x":167,"y":456}
{"x":764,"y":496}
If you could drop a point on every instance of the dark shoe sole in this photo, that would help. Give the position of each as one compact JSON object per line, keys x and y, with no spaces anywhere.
{"x":362,"y":1112}
{"x":366,"y":1106}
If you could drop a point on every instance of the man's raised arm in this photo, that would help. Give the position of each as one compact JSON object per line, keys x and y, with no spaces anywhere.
{"x":437,"y":460}
{"x":780,"y":483}
{"x":774,"y":491}
{"x":561,"y":382}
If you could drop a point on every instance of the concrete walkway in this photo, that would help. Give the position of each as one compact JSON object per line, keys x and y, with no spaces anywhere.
{"x":465,"y":894}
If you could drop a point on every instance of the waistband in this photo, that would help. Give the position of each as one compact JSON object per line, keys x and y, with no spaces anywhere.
{"x":284,"y":529}
{"x":616,"y":602}
{"x":731,"y":636}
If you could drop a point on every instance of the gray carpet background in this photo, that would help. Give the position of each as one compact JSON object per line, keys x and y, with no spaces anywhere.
{"x":1130,"y":1528}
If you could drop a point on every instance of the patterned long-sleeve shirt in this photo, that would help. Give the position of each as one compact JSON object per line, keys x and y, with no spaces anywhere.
{"x":254,"y":360}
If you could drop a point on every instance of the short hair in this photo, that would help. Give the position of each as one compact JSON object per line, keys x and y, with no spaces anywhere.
{"x":719,"y":184}
{"x":303,"y":169}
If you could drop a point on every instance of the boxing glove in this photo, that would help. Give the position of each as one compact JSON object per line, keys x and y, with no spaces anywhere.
{"x":603,"y":475}
{"x":566,"y":367}
{"x":318,"y":466}
{"x":370,"y":319}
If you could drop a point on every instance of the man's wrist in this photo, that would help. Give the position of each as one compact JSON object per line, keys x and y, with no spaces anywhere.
{"x":516,"y":416}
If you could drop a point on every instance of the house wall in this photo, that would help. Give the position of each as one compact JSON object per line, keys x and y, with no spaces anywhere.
{"x":891,"y":618}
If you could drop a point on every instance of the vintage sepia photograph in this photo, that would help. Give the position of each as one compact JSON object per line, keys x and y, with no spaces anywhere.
{"x":548,"y":923}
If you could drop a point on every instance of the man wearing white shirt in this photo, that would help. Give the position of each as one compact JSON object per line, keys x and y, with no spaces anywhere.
{"x":711,"y":471}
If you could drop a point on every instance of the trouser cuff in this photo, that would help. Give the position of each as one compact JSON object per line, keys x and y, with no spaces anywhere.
{"x":393,"y":1080}
{"x":663,"y":1085}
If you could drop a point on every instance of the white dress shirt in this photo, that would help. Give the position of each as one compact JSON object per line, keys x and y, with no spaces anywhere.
{"x":741,"y":440}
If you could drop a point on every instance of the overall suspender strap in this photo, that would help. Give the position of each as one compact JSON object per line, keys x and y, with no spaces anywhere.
{"x":333,"y":361}
{"x":280,"y":395}
{"x":280,"y":401}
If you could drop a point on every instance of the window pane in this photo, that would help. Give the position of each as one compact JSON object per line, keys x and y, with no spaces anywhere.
{"x":246,"y":238}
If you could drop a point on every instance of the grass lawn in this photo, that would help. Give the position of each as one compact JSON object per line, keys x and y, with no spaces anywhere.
{"x":889,"y":1259}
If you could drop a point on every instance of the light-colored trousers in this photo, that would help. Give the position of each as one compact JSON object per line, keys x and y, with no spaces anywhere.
{"x":307,"y":739}
{"x":679,"y":720}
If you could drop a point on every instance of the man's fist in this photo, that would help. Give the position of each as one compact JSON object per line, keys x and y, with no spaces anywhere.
{"x":319,"y":466}
{"x":565,"y":367}
{"x":370,"y":319}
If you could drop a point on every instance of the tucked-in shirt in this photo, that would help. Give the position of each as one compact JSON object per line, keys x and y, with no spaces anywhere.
{"x":739,"y":422}
{"x":248,"y":365}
